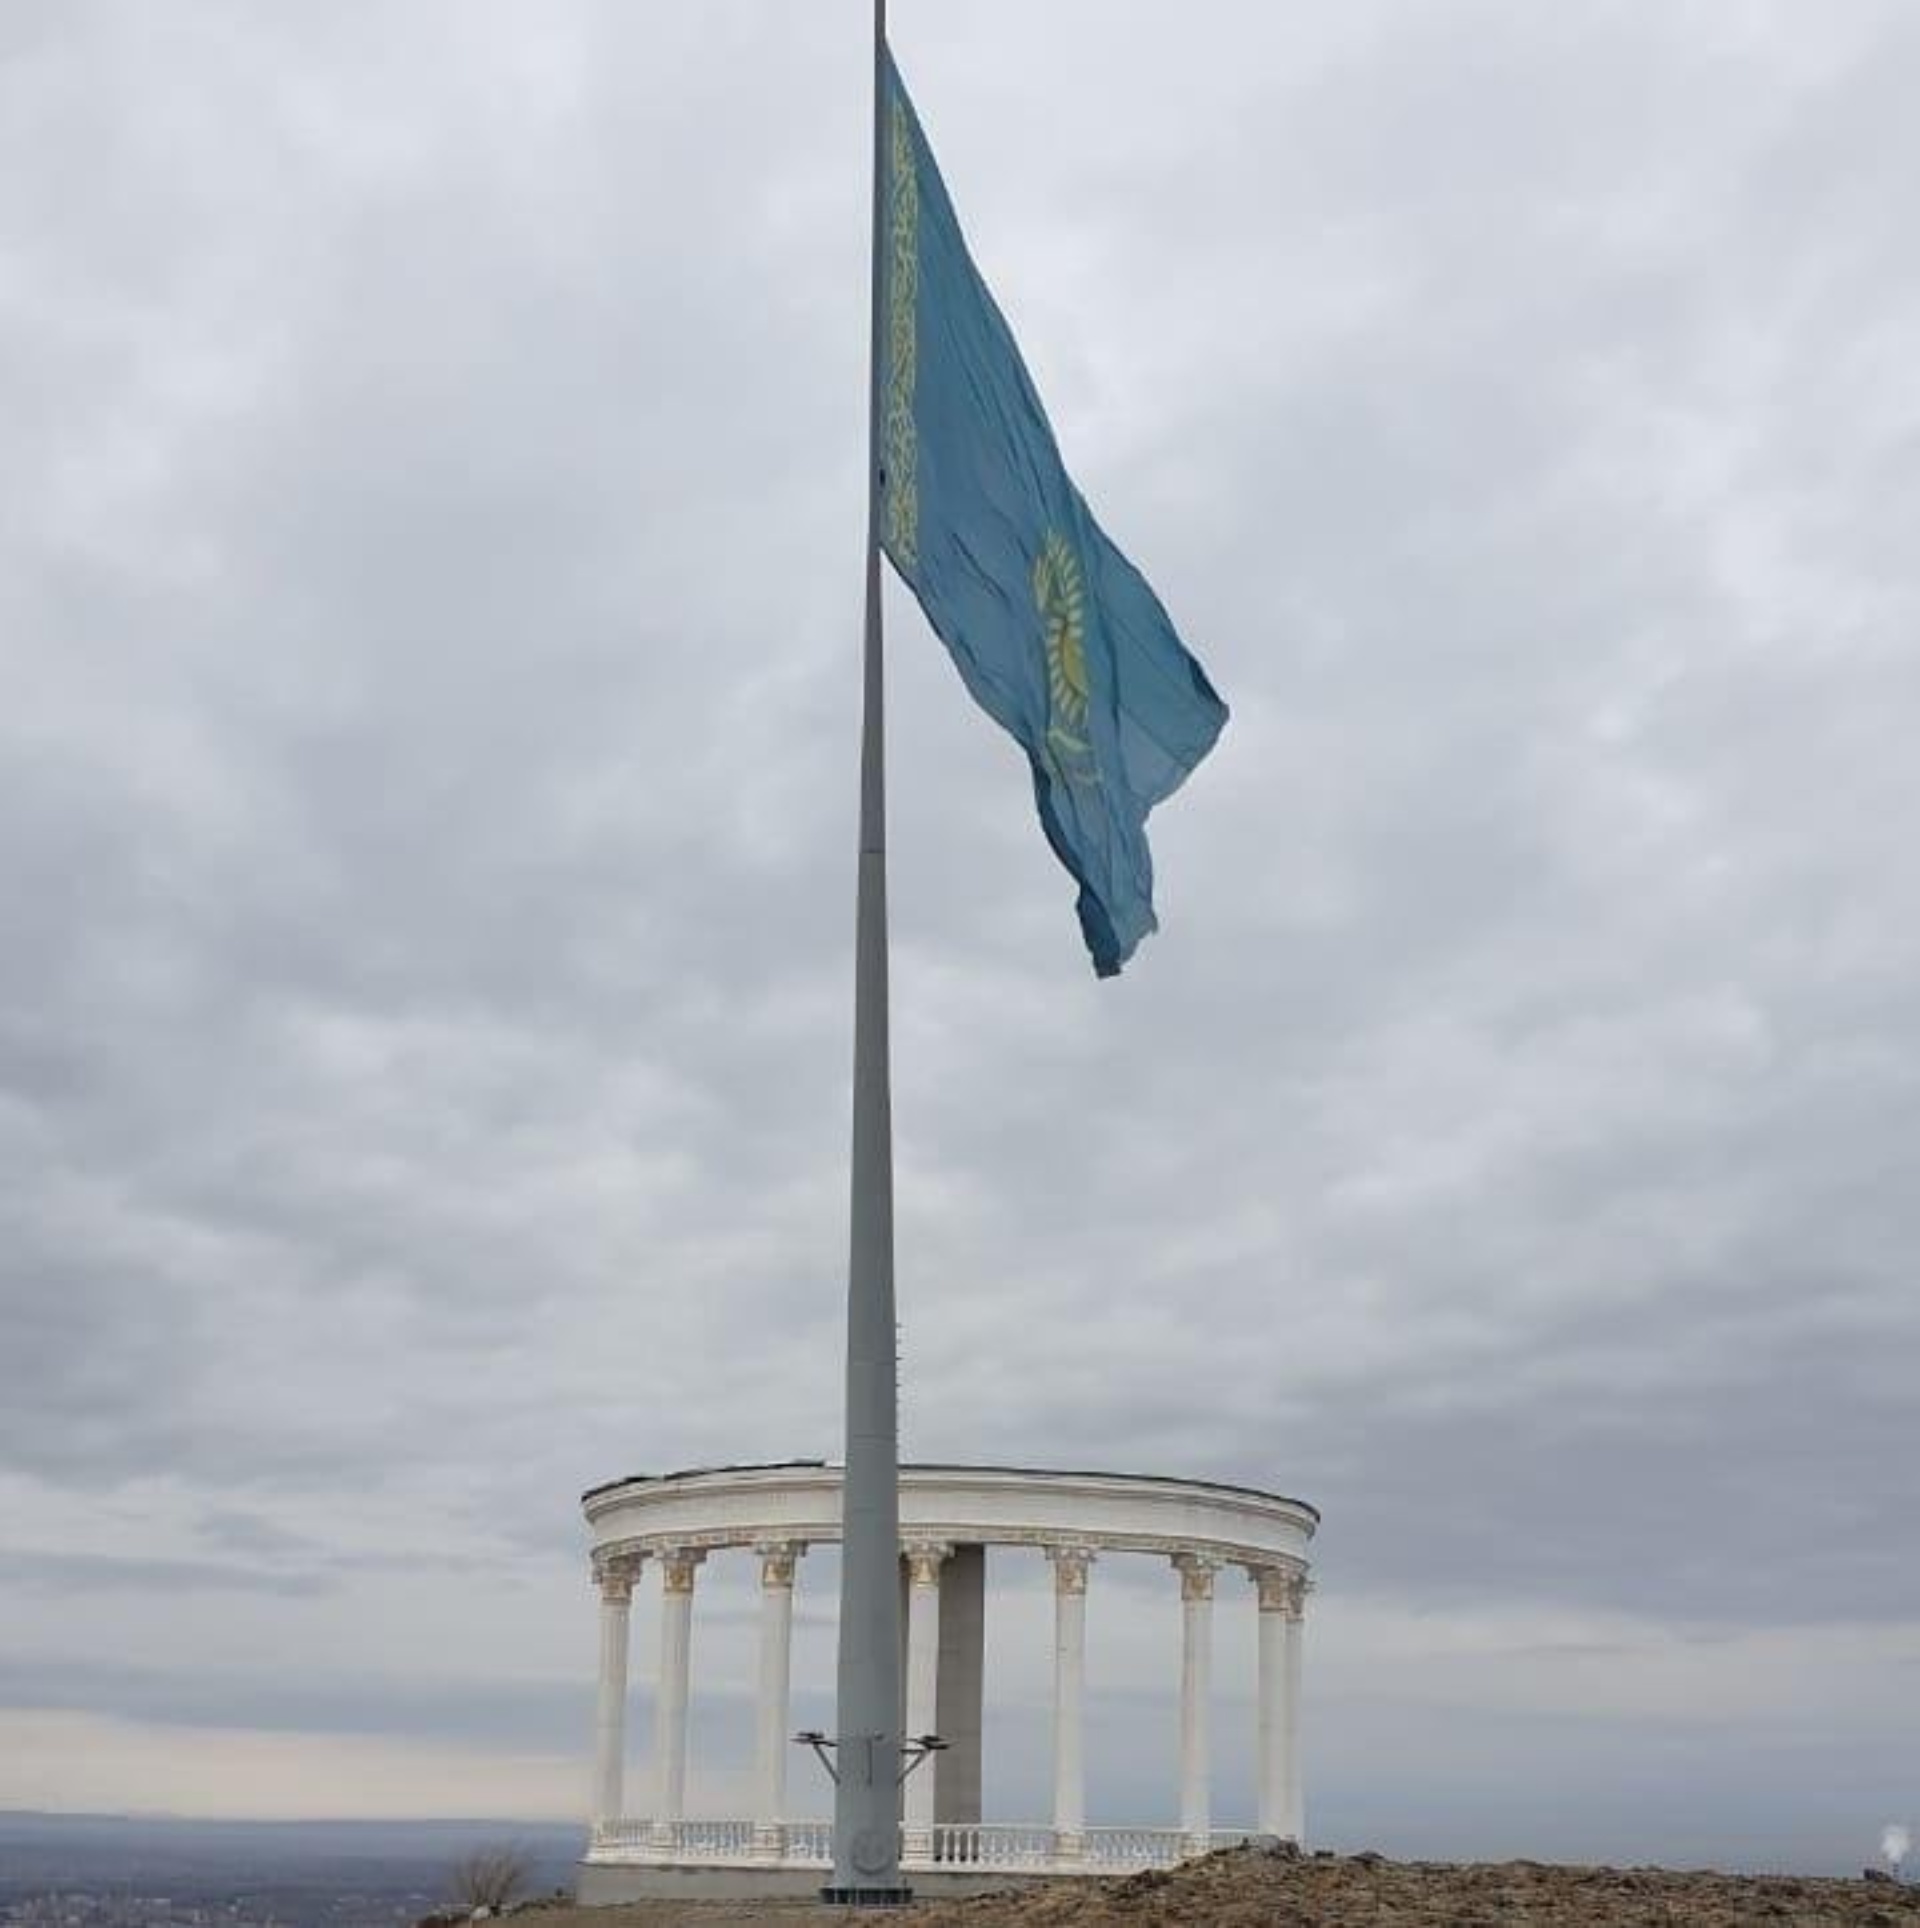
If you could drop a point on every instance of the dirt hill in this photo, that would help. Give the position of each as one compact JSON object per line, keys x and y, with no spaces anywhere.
{"x":1244,"y":1888}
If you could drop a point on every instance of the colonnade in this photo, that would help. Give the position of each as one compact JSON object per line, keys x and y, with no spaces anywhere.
{"x":1280,"y":1590}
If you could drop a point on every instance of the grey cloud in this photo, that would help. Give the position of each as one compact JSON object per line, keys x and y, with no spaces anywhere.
{"x":432,"y":575}
{"x":65,"y":1573}
{"x":495,"y":1711}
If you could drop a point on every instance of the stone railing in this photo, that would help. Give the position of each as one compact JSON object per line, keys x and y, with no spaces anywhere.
{"x":985,"y":1847}
{"x":1128,"y":1850}
{"x":997,"y":1845}
{"x":809,"y":1844}
{"x":705,"y":1840}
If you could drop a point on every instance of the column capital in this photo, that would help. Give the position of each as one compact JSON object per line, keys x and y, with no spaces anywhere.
{"x":777,"y":1561}
{"x":1070,"y":1564}
{"x":1281,"y":1590}
{"x":1196,"y":1572}
{"x":614,"y":1572}
{"x":678,"y":1565}
{"x":924,"y":1561}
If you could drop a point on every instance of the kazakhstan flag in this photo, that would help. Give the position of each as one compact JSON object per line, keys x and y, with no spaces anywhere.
{"x":1055,"y":632}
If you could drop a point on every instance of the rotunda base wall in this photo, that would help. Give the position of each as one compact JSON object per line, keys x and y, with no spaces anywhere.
{"x":604,"y":1884}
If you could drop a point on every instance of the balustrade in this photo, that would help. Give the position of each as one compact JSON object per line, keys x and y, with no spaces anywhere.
{"x":983,"y":1847}
{"x":1124,"y":1850}
{"x":810,"y":1843}
{"x":994,"y":1845}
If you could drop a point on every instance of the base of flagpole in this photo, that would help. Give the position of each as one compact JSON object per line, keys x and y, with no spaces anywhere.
{"x":866,"y":1897}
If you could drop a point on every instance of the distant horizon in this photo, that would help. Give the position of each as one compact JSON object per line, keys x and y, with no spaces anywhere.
{"x":1833,"y":1869}
{"x":289,"y":1820}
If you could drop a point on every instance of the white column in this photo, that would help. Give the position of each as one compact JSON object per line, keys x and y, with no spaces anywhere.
{"x":924,"y":1558}
{"x":1196,"y":1685}
{"x":777,"y":1559}
{"x":1274,"y":1808}
{"x":614,"y":1575}
{"x":1295,"y":1622}
{"x":677,"y":1568}
{"x":1070,"y":1564}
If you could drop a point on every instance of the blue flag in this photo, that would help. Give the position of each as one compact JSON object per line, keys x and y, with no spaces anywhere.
{"x":1055,"y":632}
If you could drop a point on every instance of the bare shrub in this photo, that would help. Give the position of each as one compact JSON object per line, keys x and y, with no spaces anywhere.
{"x":490,"y":1877}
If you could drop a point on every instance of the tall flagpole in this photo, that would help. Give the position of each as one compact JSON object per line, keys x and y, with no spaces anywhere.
{"x":868,"y":1750}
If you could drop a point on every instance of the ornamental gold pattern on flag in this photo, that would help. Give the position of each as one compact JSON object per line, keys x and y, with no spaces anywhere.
{"x":901,"y":496}
{"x":1059,"y":593}
{"x":1058,"y":637}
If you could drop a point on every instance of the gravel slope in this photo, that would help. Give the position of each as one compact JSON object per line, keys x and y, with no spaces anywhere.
{"x":1243,"y":1888}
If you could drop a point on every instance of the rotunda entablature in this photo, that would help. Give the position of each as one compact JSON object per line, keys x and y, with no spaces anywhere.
{"x":797,"y":1502}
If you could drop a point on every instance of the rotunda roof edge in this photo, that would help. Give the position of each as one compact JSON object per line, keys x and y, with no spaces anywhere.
{"x":960,"y":1469}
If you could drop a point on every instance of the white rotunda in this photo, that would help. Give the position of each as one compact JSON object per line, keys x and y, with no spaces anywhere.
{"x":949,"y":1517}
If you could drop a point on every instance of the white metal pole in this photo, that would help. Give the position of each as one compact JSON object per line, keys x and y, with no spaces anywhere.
{"x":866,"y":1808}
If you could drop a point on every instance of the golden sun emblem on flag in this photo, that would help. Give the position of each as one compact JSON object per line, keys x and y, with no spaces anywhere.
{"x":1060,"y":595}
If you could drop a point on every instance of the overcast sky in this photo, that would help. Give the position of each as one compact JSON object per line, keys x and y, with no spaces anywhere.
{"x":430,"y":517}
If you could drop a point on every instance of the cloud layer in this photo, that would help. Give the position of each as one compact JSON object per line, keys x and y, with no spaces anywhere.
{"x":430,"y":516}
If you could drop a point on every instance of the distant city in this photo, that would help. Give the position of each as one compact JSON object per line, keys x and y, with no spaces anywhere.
{"x":109,"y":1871}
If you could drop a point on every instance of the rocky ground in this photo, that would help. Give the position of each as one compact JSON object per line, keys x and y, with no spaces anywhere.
{"x":1243,"y":1888}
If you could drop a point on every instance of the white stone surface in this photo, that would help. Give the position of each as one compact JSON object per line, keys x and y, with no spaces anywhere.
{"x":1273,"y":1806}
{"x":777,"y":1562}
{"x":615,"y":1579}
{"x":924,"y":1560}
{"x":1070,"y":1566}
{"x":945,"y":1512}
{"x":1196,"y":1693}
{"x":991,"y":1505}
{"x":677,"y":1568}
{"x":1296,"y":1824}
